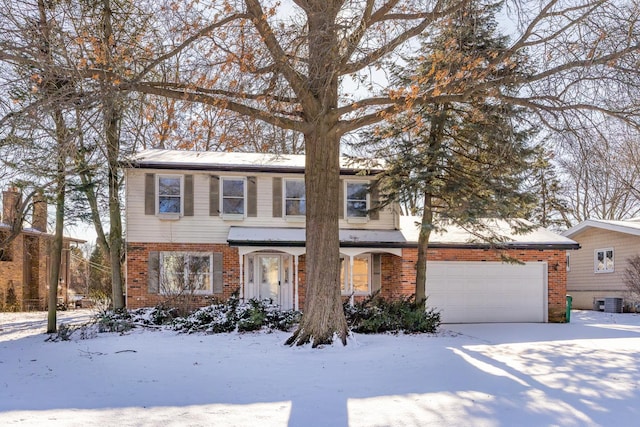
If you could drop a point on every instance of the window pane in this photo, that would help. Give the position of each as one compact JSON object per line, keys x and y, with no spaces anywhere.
{"x":199,"y":273}
{"x":295,"y":207}
{"x":361,"y":275}
{"x":169,"y":186}
{"x":356,"y":191}
{"x":233,"y":206}
{"x":233,"y":188}
{"x":609,"y":260}
{"x":172,"y":280}
{"x":169,"y":204}
{"x":356,"y":209}
{"x":294,"y":189}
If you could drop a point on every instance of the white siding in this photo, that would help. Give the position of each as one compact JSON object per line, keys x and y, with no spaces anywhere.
{"x":202,"y":228}
{"x":582,"y":282}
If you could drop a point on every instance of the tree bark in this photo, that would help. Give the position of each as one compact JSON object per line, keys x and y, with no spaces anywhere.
{"x":323,"y":314}
{"x":56,"y":246}
{"x":423,"y":245}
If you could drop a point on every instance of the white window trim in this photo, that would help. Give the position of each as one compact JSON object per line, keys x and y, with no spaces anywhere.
{"x":349,"y":285}
{"x":595,"y":260}
{"x":195,"y":292}
{"x":355,"y":219}
{"x":291,"y":218}
{"x":169,"y":215}
{"x":231,"y":216}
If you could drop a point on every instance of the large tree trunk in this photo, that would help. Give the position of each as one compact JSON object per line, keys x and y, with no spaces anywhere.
{"x":323,"y":313}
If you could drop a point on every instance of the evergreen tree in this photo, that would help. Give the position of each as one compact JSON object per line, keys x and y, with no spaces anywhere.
{"x":464,"y":162}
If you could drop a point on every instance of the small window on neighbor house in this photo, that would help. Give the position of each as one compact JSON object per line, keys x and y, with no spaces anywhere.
{"x":169,"y":194}
{"x":357,"y":199}
{"x":603,"y":260}
{"x":568,"y":261}
{"x":184,"y":273}
{"x":294,"y":197}
{"x":233,"y":196}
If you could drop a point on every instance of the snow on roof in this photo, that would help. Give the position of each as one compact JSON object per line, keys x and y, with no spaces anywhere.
{"x":631,"y":226}
{"x":406,"y":236}
{"x":215,"y":160}
{"x":456,"y":235}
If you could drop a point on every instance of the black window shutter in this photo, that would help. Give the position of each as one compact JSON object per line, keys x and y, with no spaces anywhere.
{"x":218,"y":267}
{"x":188,"y":195}
{"x":214,"y":196}
{"x":153,"y":272}
{"x":277,"y":197}
{"x":374,"y":195}
{"x":149,"y":194}
{"x":252,"y":196}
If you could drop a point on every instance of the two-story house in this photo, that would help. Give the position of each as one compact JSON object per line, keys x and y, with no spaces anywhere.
{"x":215,"y":223}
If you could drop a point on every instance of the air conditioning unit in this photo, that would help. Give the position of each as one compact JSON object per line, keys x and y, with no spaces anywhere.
{"x":598,"y":304}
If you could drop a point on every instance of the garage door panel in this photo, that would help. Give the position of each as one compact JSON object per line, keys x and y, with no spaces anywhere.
{"x":468,"y":292}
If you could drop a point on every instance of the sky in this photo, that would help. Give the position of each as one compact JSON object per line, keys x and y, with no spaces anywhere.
{"x":585,"y":373}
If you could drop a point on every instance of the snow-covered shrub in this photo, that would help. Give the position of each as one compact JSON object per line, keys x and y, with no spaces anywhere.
{"x":114,"y":321}
{"x":376,"y":315}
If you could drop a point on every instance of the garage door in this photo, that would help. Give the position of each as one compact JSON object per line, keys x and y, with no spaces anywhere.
{"x":474,"y":292}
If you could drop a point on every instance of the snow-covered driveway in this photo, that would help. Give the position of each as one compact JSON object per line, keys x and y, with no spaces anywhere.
{"x":578,"y":374}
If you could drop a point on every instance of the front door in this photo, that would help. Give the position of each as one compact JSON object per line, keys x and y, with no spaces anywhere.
{"x":273,"y":281}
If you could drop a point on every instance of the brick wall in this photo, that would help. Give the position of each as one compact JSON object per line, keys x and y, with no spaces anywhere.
{"x":404,"y":270}
{"x":11,"y":274}
{"x":398,"y":273}
{"x":137,"y":268}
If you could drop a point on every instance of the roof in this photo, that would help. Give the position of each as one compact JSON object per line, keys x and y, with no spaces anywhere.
{"x":36,"y":232}
{"x":407,"y":236}
{"x":631,"y":226}
{"x":226,"y":161}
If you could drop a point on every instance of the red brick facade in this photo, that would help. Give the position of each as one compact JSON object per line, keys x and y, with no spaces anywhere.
{"x":397,"y":273}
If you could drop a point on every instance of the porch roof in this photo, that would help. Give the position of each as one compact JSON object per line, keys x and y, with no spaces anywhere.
{"x":273,"y":236}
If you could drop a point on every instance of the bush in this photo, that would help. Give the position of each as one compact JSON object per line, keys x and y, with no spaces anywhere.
{"x":377,"y":315}
{"x":114,"y":321}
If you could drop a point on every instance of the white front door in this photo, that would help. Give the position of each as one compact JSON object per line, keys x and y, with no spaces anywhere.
{"x":273,"y":274}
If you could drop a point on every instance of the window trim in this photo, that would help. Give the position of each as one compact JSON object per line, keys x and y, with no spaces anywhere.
{"x":285,"y":198}
{"x":169,"y":215}
{"x":233,"y":216}
{"x":347,"y":272}
{"x":356,"y":219}
{"x":162,"y":254}
{"x":604,"y":252}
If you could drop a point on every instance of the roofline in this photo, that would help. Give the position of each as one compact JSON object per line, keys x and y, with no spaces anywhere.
{"x":34,"y":232}
{"x":602,"y":224}
{"x":350,"y":244}
{"x":235,"y":168}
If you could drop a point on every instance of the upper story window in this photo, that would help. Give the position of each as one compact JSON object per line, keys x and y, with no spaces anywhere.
{"x":357,"y":200}
{"x":170,"y":189}
{"x":233,"y":196}
{"x":294,"y":197}
{"x":603,"y":260}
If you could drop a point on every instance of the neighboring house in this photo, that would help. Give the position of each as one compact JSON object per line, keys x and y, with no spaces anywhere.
{"x":216,"y":223}
{"x":596,"y":271}
{"x":25,"y":262}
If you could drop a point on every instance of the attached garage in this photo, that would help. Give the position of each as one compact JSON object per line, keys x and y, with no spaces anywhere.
{"x":478,"y":292}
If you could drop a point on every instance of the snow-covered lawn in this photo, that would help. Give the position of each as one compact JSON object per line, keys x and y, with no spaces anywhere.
{"x":578,"y":374}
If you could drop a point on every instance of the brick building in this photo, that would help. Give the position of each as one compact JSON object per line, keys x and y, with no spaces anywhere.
{"x":25,"y":259}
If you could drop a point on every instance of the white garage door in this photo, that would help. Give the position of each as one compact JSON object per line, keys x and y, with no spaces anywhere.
{"x":475,"y":292}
